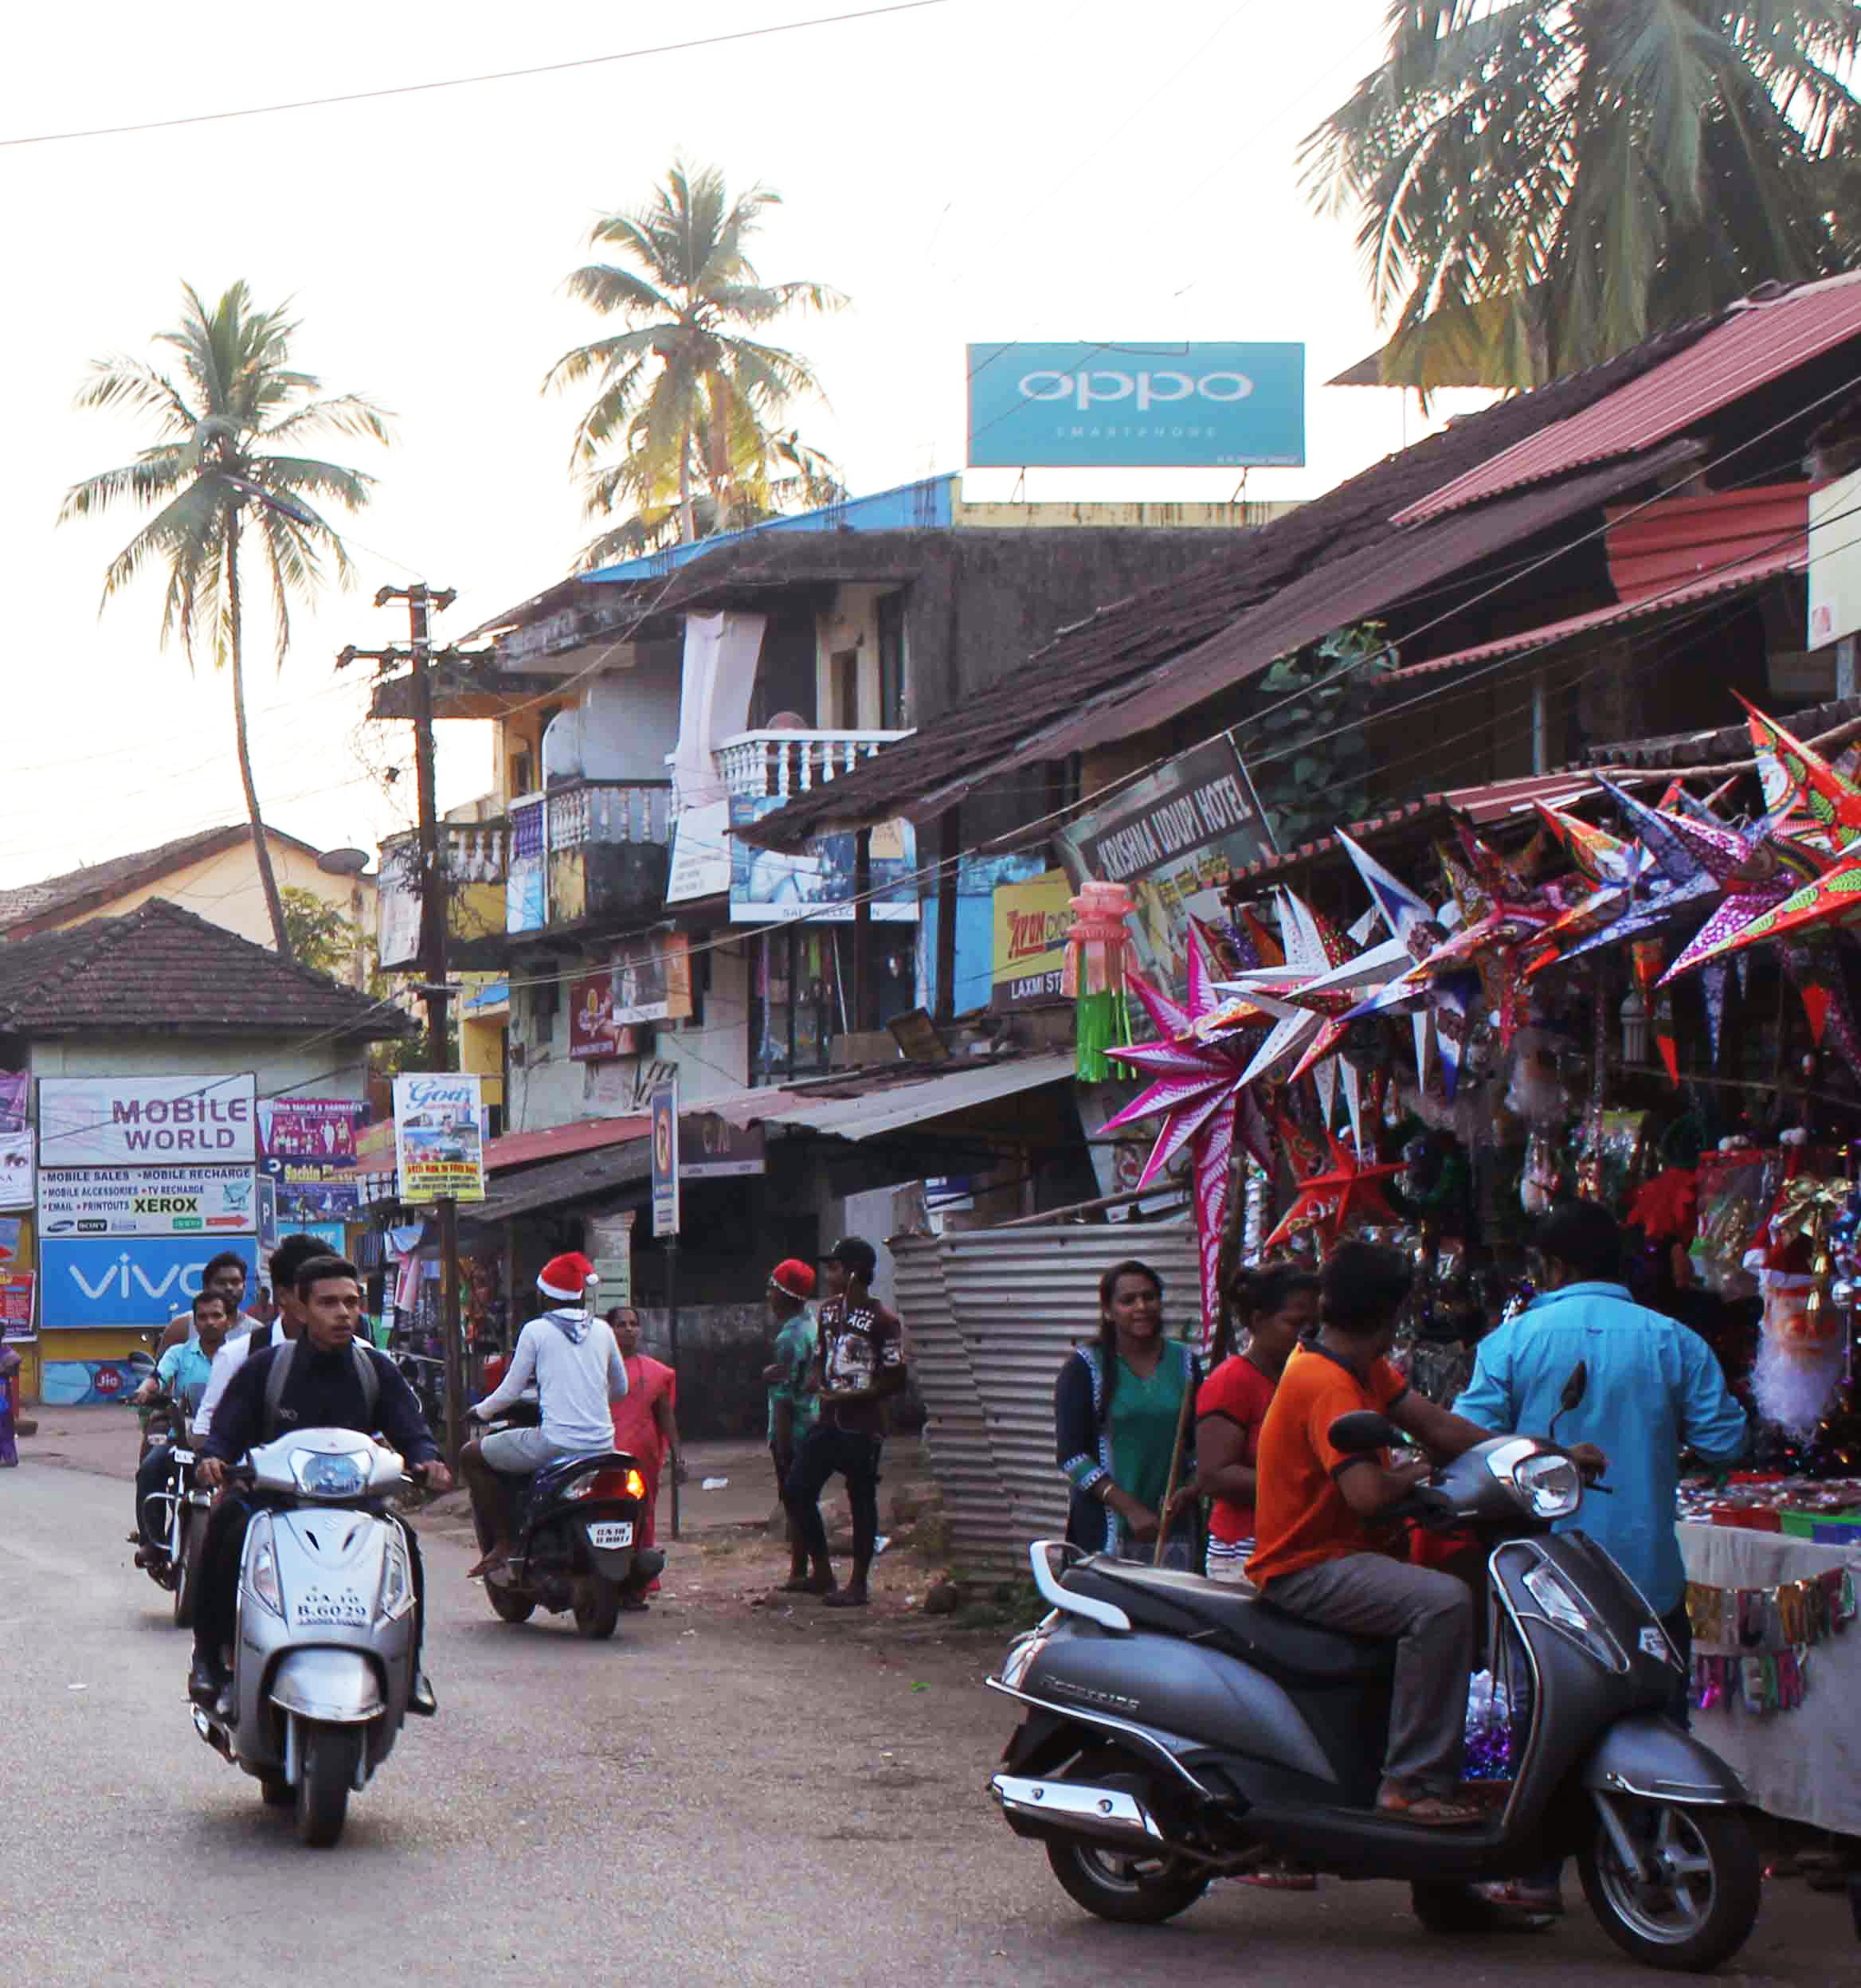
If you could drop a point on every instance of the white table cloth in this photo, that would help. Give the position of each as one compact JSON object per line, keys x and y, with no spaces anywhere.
{"x":1805,"y":1764}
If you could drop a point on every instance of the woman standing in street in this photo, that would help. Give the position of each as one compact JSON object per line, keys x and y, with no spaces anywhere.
{"x":1118,"y":1406}
{"x":1277,"y":1306}
{"x":645,"y":1427}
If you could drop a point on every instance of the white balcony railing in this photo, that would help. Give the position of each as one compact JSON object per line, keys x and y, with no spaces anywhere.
{"x":784,"y":764}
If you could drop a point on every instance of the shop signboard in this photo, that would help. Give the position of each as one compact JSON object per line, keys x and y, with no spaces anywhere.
{"x":1028,"y":952}
{"x":773,"y":886}
{"x":1105,"y":403}
{"x":663,"y":1110}
{"x":439,"y":1138}
{"x":76,"y":1201}
{"x":268,"y":1215}
{"x":139,"y":1282}
{"x":593,"y":1035}
{"x":15,"y":1169}
{"x":310,"y":1190}
{"x":321,"y":1128}
{"x":16,"y":1304}
{"x":652,"y":978}
{"x":1174,"y":838}
{"x":331,"y":1234}
{"x":142,"y":1121}
{"x":85,"y":1384}
{"x":712,"y":1148}
{"x":701,"y":853}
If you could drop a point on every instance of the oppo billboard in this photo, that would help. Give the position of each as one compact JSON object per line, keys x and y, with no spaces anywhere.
{"x":1103,"y":405}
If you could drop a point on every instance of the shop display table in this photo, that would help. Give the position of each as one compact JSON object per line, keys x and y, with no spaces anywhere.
{"x":1804,"y":1764}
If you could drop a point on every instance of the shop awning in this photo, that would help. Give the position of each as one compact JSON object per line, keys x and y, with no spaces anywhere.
{"x":557,"y":1182}
{"x":584,"y":1135}
{"x":1736,"y":579}
{"x":845,"y":1112}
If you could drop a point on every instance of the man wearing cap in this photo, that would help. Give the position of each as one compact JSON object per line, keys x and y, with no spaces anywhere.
{"x":860,"y":1362}
{"x":576,"y":1364}
{"x":792,"y":1403}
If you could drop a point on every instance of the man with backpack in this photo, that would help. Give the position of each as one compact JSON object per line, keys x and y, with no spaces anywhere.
{"x":291,"y":1255}
{"x":324,"y":1379}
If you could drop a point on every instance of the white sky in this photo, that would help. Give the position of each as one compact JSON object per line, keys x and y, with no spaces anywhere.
{"x":983,"y":170}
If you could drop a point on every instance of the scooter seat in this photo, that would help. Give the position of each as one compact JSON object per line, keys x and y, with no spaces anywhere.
{"x":1285,"y":1647}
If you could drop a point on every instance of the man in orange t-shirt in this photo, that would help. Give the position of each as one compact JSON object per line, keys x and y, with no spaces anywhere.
{"x":1320,"y":1551}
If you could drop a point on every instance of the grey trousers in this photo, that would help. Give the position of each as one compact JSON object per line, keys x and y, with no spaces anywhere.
{"x":1431,"y":1616}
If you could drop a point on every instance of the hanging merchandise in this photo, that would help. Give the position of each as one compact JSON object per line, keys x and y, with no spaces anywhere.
{"x":1734,"y":1195}
{"x":1094,"y":975}
{"x":1751,"y":1645}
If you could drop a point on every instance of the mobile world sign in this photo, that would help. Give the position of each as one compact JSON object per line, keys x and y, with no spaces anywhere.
{"x":1089,"y":406}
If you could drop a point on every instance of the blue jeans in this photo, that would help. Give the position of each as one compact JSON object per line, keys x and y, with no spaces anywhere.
{"x":824,"y":1452}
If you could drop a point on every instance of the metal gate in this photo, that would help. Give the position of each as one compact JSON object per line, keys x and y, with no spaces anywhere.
{"x":990,"y":1315}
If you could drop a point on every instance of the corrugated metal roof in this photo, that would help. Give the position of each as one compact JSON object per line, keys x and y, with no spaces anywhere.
{"x":557,"y":1182}
{"x":1826,"y":727}
{"x":1734,"y":579}
{"x":1760,"y":340}
{"x":990,"y":1315}
{"x":899,"y":1105}
{"x":1656,"y":546}
{"x":584,"y":1135}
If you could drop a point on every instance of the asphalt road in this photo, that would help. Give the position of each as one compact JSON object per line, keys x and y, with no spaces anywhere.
{"x":723,"y":1795}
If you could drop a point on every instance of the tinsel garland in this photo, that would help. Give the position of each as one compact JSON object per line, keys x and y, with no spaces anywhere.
{"x":1763,"y":1638}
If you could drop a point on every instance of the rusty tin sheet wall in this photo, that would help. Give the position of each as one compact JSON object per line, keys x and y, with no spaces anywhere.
{"x":990,"y":1315}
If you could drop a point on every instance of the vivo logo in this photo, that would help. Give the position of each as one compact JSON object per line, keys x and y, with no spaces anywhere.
{"x":182,"y":1278}
{"x":1091,"y":387}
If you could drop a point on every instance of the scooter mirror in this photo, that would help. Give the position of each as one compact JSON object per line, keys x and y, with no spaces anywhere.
{"x":1363,"y":1431}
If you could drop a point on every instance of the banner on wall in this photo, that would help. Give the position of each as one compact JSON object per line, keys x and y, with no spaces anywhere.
{"x":15,"y":1089}
{"x":768,"y":885}
{"x":16,"y":1304}
{"x":137,"y":1281}
{"x":1030,"y":922}
{"x":439,"y":1138}
{"x":307,"y":1191}
{"x":652,"y":978}
{"x":146,"y":1201}
{"x":1175,"y":838}
{"x":15,"y":1169}
{"x":128,"y":1121}
{"x":83,"y":1384}
{"x":322,"y":1129}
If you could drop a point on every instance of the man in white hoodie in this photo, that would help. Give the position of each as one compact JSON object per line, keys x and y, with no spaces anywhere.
{"x":572,"y":1357}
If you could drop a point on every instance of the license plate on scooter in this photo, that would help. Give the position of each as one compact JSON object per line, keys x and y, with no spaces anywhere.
{"x":610,"y":1533}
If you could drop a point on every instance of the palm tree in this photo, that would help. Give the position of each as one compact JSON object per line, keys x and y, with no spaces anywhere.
{"x":237,"y":399}
{"x":689,"y":396}
{"x":1543,"y":183}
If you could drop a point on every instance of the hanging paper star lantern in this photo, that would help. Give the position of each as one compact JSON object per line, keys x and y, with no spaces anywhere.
{"x":1328,"y":1203}
{"x":1791,"y":771}
{"x":1197,"y":1088}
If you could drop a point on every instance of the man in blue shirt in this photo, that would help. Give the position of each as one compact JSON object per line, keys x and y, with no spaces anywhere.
{"x":1654,"y":1388}
{"x":182,"y":1371}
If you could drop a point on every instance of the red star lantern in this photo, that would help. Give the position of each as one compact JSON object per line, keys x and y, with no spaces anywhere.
{"x":1330,"y":1201}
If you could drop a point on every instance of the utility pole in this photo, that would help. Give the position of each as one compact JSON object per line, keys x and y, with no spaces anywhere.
{"x":433,"y":991}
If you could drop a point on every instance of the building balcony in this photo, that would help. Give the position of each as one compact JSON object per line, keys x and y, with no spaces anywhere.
{"x":587,"y":850}
{"x":782,"y":765}
{"x":476,"y":857}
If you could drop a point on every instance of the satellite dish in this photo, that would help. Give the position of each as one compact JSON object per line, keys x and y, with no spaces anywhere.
{"x":342,"y":862}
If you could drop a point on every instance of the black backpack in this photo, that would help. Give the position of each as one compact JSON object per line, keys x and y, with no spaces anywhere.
{"x":278,"y":1379}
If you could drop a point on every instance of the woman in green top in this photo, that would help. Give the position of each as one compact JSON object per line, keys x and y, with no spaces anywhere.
{"x":1117,"y":1408}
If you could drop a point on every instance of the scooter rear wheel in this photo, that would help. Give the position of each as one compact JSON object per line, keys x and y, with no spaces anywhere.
{"x":508,"y":1604}
{"x":598,"y":1607}
{"x":1695,"y":1900}
{"x":1131,"y":1891}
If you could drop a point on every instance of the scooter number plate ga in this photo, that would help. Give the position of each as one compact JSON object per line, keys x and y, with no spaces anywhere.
{"x":609,"y":1533}
{"x":345,"y":1609}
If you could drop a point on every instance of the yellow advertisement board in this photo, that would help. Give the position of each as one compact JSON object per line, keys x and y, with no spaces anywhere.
{"x":1030,"y":923}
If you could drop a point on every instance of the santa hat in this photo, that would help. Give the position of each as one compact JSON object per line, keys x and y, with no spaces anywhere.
{"x":564,"y":1277}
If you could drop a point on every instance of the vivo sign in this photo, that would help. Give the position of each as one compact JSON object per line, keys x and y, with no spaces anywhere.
{"x":140,"y":1280}
{"x":1177,"y":406}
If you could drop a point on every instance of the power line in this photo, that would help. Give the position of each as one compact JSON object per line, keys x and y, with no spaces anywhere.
{"x":473,"y":82}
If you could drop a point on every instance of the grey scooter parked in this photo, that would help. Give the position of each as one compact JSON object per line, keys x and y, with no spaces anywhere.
{"x":1178,"y":1729}
{"x":324,"y":1654}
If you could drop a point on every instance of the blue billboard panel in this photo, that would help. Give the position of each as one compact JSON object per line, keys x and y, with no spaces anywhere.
{"x":139,"y":1282}
{"x":1087,"y":405}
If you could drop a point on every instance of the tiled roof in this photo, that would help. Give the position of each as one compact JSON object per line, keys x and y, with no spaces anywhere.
{"x":160,"y":969}
{"x":100,"y":882}
{"x":1124,"y":645}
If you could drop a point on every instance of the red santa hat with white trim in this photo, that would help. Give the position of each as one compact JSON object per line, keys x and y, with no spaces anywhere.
{"x":564,"y":1277}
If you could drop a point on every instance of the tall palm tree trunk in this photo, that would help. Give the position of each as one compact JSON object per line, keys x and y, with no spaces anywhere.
{"x":688,"y":531}
{"x":261,"y":848}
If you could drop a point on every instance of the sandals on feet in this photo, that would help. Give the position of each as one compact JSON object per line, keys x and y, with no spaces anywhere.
{"x":1431,"y":1811}
{"x":844,"y":1597}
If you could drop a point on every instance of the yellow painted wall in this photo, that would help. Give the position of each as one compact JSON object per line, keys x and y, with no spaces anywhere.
{"x":224,"y":889}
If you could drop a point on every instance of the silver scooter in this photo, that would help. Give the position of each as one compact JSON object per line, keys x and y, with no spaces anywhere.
{"x":324,"y":1650}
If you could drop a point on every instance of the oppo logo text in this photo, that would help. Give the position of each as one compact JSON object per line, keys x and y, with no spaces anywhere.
{"x":1091,"y":387}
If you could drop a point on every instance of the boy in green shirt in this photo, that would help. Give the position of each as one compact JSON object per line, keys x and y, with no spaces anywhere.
{"x":794,"y":1405}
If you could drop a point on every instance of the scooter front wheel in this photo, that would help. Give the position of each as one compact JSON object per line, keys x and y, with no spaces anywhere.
{"x":1691,"y":1899}
{"x":187,"y":1568}
{"x":328,"y":1758}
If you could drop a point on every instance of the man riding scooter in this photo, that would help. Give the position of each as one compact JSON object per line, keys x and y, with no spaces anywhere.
{"x":182,"y":1371}
{"x":1322,"y":1553}
{"x":331,"y":1382}
{"x":575,"y":1364}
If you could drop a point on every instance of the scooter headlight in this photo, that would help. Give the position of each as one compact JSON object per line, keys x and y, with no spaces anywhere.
{"x":1567,"y":1610}
{"x":1552,"y":1486}
{"x":261,"y":1568}
{"x":397,"y":1595}
{"x":320,"y":1475}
